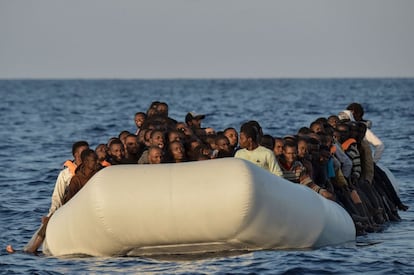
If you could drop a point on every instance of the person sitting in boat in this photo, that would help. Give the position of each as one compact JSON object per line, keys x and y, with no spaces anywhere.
{"x":176,"y":152}
{"x":223,"y":147}
{"x":267,"y":141}
{"x":155,"y":155}
{"x":294,"y":171}
{"x":88,"y":167}
{"x":122,"y":135}
{"x":193,"y":121}
{"x":253,"y":152}
{"x":116,"y":151}
{"x":157,"y":138}
{"x":102,"y":152}
{"x":139,"y":120}
{"x":357,"y":112}
{"x":188,"y":133}
{"x":349,"y":145}
{"x":174,"y":135}
{"x":333,"y":120}
{"x":61,"y":184}
{"x":303,"y":154}
{"x":84,"y":172}
{"x":278,"y":147}
{"x":233,"y":137}
{"x":132,"y":149}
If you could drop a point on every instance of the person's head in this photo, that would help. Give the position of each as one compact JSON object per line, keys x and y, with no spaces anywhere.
{"x":324,"y":154}
{"x":162,"y":109}
{"x":116,"y":150}
{"x":290,"y":152}
{"x":268,"y":142}
{"x":357,"y":110}
{"x":333,"y":120}
{"x":131,"y":144}
{"x":313,"y":147}
{"x":152,"y":110}
{"x":248,"y":136}
{"x":302,"y":147}
{"x":183,"y":128}
{"x":89,"y":159}
{"x":210,"y":131}
{"x":77,"y":148}
{"x":157,"y":138}
{"x":174,"y":135}
{"x":223,"y":144}
{"x":316,"y":127}
{"x":258,"y":129}
{"x":139,"y":119}
{"x":232,"y":135}
{"x":147,"y":137}
{"x":176,"y":151}
{"x":101,"y":151}
{"x":122,"y":135}
{"x":278,"y":147}
{"x":155,"y":155}
{"x":194,"y":120}
{"x":304,"y":131}
{"x":341,"y":132}
{"x":210,"y":141}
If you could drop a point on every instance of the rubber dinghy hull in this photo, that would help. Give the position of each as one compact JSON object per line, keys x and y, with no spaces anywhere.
{"x":194,"y":207}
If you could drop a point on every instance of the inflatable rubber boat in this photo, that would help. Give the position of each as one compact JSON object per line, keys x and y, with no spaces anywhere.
{"x":196,"y":207}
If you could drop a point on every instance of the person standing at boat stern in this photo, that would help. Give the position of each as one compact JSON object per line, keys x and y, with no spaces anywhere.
{"x":253,"y":152}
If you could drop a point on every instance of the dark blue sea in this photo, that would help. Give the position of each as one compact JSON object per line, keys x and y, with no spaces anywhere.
{"x":40,"y":119}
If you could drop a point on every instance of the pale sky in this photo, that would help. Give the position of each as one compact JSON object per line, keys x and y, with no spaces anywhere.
{"x":206,"y":39}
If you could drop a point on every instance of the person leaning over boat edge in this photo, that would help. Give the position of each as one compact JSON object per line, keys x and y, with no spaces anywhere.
{"x":62,"y":182}
{"x":88,"y":167}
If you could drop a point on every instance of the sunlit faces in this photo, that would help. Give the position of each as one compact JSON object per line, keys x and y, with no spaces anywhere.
{"x":177,"y":151}
{"x":223,"y":144}
{"x":278,"y":148}
{"x":116,"y":150}
{"x":131,"y":144}
{"x":302,"y":148}
{"x":91,"y":161}
{"x":155,"y":155}
{"x":101,"y":152}
{"x":209,"y":131}
{"x":139,"y":120}
{"x":174,"y":136}
{"x":244,"y":141}
{"x":231,"y":134}
{"x":157,"y":138}
{"x":78,"y":153}
{"x":290,"y":152}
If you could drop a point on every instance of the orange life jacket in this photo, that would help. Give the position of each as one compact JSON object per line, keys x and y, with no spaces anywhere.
{"x":348,"y":143}
{"x":71,"y":165}
{"x":104,"y":163}
{"x":333,"y":149}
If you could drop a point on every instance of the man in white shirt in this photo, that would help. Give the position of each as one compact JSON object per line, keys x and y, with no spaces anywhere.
{"x":255,"y":153}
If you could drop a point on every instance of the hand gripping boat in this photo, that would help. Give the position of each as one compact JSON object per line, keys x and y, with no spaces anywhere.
{"x":196,"y":207}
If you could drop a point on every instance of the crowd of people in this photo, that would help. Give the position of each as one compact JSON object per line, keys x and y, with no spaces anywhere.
{"x":334,"y":156}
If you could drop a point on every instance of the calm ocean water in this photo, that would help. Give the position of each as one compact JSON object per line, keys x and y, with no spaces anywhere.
{"x":41,"y":119}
